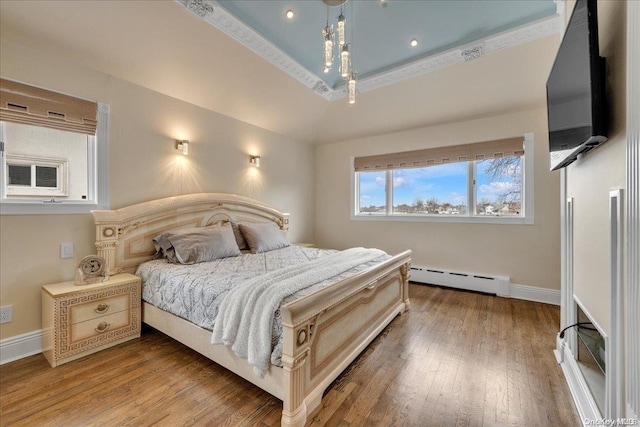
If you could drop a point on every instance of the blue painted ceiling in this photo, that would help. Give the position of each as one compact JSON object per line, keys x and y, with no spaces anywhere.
{"x":380,"y":31}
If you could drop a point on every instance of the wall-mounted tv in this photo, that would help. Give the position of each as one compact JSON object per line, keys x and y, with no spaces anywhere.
{"x":576,"y":103}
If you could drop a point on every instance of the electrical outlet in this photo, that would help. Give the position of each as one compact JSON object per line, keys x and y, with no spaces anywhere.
{"x":6,"y":314}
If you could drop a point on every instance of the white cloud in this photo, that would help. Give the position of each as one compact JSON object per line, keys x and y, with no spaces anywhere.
{"x":496,"y":189}
{"x":425,"y":187}
{"x":400,"y":181}
{"x":457,"y":199}
{"x":441,"y":171}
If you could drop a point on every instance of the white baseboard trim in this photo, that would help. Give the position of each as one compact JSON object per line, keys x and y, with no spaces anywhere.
{"x":558,"y":351}
{"x":533,"y":293}
{"x":20,"y":346}
{"x":586,"y":406}
{"x":499,"y":285}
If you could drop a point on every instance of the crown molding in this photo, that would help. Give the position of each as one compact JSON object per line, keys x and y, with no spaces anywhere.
{"x":216,"y":15}
{"x":464,"y":53}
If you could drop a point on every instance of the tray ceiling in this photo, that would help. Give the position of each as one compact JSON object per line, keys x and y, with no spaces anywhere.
{"x":380,"y":32}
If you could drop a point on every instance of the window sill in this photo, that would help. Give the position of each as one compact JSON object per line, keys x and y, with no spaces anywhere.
{"x":39,"y":208}
{"x":451,"y":219}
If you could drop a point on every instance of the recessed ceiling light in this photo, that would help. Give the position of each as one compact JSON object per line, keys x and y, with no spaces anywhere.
{"x":289,"y":14}
{"x":325,"y":70}
{"x":414,"y":42}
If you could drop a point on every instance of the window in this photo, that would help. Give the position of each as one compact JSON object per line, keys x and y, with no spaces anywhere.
{"x":432,"y":190}
{"x":498,"y":189}
{"x":53,"y":161}
{"x":499,"y":186}
{"x":372,"y":198}
{"x":36,"y":176}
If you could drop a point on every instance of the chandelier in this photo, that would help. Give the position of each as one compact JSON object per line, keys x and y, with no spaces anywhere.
{"x":329,"y":36}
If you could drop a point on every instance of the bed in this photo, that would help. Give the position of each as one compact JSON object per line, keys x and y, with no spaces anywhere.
{"x":322,"y":332}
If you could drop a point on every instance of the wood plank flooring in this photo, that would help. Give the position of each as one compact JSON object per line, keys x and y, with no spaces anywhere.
{"x":455,"y":359}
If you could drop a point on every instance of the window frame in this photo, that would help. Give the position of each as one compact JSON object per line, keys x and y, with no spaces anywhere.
{"x":97,"y":172}
{"x":527,"y":218}
{"x":62,"y":176}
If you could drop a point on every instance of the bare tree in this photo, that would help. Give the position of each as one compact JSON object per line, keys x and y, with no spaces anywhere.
{"x":511,"y":169}
{"x":405,"y":208}
{"x":432,"y":205}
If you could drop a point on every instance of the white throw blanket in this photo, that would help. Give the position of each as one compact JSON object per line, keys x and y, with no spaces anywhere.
{"x":245,"y":315}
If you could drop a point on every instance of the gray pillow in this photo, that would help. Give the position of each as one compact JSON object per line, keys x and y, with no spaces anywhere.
{"x":164,"y":249}
{"x":194,"y":245}
{"x":242,"y":243}
{"x":263,"y":236}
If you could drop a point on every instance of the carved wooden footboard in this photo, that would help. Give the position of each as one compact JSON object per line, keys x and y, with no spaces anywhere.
{"x":325,"y":331}
{"x":322,"y":332}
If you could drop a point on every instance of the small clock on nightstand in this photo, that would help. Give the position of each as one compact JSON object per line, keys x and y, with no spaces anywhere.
{"x":91,"y":269}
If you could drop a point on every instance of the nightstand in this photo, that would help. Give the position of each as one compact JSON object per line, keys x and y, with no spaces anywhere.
{"x":80,"y":320}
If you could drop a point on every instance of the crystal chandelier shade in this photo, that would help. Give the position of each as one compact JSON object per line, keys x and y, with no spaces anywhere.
{"x":351,"y":88}
{"x":345,"y":56}
{"x":342,"y":21}
{"x":344,"y":61}
{"x":328,"y":46}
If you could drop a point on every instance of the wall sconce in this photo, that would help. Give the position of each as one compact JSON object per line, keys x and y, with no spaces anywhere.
{"x":255,"y":160}
{"x":183,"y":145}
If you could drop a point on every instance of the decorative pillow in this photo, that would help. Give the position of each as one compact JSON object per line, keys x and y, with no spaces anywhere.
{"x":164,"y":249}
{"x":194,"y":245}
{"x":263,"y":236}
{"x":242,"y":243}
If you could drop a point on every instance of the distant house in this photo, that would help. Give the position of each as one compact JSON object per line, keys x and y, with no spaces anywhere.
{"x":509,"y":209}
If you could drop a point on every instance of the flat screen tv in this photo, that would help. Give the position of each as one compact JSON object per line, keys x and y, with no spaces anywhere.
{"x":576,"y":103}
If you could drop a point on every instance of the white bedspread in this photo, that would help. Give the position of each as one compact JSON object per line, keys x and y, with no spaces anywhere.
{"x":245,"y":315}
{"x":194,"y":292}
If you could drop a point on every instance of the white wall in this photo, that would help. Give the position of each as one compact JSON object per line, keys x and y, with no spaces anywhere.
{"x":529,"y":254}
{"x":590,"y":179}
{"x":144,"y":165}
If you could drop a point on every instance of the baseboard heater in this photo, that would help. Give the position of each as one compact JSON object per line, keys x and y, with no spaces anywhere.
{"x":490,"y":284}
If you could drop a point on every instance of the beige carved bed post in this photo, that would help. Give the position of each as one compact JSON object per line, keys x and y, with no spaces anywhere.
{"x":405,"y":273}
{"x":106,"y":243}
{"x":294,"y":410}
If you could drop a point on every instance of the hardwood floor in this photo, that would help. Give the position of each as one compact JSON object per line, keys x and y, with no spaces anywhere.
{"x":455,"y":359}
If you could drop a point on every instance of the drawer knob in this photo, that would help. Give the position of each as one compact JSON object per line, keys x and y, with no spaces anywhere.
{"x":102,"y":327}
{"x":101,"y":308}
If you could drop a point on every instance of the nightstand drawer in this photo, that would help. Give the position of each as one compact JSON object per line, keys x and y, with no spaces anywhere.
{"x":99,"y":308}
{"x":99,"y":327}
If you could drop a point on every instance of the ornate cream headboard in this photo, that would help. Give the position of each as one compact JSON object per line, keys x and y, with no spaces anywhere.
{"x":124,"y":237}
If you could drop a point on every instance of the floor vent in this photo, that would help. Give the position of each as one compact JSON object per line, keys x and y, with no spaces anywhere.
{"x":498,"y":285}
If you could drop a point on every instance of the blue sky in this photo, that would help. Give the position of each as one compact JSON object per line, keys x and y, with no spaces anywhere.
{"x":446,"y":183}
